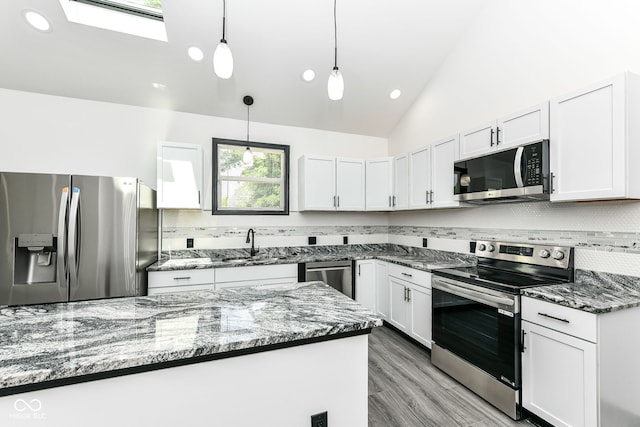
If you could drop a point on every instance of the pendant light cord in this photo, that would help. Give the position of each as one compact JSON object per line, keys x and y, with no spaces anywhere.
{"x":335,"y":35}
{"x":224,"y":20}
{"x":248,"y":108}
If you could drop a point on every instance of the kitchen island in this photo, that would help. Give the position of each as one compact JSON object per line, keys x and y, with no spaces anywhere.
{"x":235,"y":357}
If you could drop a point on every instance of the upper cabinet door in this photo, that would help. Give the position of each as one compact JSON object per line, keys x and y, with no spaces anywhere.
{"x":478,"y":140}
{"x":350,"y":185}
{"x":444,"y":153}
{"x":179,"y":176}
{"x":522,"y":127}
{"x":588,"y":142}
{"x":379,"y":180}
{"x":317,"y":183}
{"x":420,"y":178}
{"x":401,"y":182}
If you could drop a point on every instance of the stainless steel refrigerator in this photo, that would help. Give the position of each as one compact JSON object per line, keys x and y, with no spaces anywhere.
{"x":73,"y":238}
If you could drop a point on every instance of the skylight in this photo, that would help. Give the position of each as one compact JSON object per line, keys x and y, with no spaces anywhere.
{"x":145,"y":8}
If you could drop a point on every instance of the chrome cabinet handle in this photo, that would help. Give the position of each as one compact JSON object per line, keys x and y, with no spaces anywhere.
{"x":338,"y":201}
{"x":394,"y":201}
{"x":497,"y":136}
{"x":389,"y":201}
{"x":492,"y":132}
{"x":554,"y":317}
{"x":431,"y":196}
{"x":408,"y":294}
{"x":182,"y":278}
{"x":522,"y":346}
{"x":407,"y":274}
{"x":426,"y":195}
{"x":551,"y":178}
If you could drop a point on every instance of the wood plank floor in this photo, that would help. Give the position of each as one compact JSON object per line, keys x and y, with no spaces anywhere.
{"x":406,"y":390}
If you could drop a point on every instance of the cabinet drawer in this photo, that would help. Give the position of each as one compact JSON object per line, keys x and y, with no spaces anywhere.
{"x":255,"y":272}
{"x":419,"y":277}
{"x":567,"y":320}
{"x":183,"y":288}
{"x":181,"y":277}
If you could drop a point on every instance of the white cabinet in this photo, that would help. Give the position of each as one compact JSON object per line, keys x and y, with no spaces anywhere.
{"x":400,"y":198}
{"x":161,"y":282}
{"x":179,"y":176}
{"x":366,"y":283}
{"x":329,"y":183}
{"x":420,"y":178}
{"x":576,"y":365}
{"x":524,"y":126}
{"x":379,"y":184}
{"x":256,"y":275}
{"x":350,"y":184}
{"x":431,"y":175}
{"x":382,"y":289}
{"x":559,"y":377}
{"x":410,"y":302}
{"x":595,"y":141}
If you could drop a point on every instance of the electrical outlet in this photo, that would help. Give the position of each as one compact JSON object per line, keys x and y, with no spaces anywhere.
{"x":189,"y":243}
{"x":424,"y":242}
{"x":312,"y":240}
{"x":345,"y":240}
{"x":319,"y":420}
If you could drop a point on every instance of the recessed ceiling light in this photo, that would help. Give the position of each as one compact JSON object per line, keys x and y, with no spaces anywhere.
{"x":395,"y":94}
{"x":308,"y":75}
{"x":195,"y":53}
{"x":159,"y":86}
{"x":37,"y":21}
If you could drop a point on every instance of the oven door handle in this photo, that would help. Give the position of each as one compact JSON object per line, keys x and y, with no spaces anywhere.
{"x":482,"y":298}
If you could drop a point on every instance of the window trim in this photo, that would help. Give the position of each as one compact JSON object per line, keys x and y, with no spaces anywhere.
{"x":145,"y":12}
{"x":214,"y":202}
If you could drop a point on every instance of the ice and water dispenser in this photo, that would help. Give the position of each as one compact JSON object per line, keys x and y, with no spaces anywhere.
{"x":34,"y":259}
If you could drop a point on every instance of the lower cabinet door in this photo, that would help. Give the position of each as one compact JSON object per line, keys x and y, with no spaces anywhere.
{"x":559,"y":377}
{"x":382,"y":289}
{"x":366,"y":283}
{"x":398,"y":315}
{"x":420,"y":308}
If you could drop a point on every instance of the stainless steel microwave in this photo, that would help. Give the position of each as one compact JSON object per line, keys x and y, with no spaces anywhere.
{"x":514,"y":174}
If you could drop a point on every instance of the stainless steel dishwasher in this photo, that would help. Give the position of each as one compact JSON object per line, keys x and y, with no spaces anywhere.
{"x":337,"y":274}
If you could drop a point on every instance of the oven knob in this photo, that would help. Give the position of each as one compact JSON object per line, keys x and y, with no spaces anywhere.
{"x":557,"y":255}
{"x":544,"y":253}
{"x":490,"y":248}
{"x":482,"y":247}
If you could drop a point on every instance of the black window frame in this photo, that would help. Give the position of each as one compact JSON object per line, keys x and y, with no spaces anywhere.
{"x":143,"y":12}
{"x":215,"y":210}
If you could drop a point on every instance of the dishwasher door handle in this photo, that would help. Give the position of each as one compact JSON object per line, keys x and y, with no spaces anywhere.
{"x":327,"y":269}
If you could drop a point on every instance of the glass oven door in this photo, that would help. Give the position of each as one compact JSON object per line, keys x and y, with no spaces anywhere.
{"x":482,"y":328}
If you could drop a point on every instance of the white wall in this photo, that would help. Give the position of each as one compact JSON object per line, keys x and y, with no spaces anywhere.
{"x":43,"y":133}
{"x":516,"y":54}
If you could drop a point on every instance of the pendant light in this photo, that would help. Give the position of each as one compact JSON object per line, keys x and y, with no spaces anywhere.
{"x":247,"y":157}
{"x":335,"y":86}
{"x":222,"y":58}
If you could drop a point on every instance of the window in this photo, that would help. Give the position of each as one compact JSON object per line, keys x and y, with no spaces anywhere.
{"x":260,"y":186}
{"x":146,"y":8}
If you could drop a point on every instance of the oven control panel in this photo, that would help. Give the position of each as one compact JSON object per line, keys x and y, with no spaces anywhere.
{"x":546,"y":255}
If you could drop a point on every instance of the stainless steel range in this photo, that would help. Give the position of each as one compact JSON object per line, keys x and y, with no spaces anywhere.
{"x":476,"y":316}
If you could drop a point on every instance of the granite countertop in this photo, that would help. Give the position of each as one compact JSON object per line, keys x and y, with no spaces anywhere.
{"x":56,"y":344}
{"x":593,"y":292}
{"x":425,"y":260}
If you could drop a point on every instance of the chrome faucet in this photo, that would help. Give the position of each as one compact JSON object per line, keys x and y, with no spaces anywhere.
{"x":251,"y":238}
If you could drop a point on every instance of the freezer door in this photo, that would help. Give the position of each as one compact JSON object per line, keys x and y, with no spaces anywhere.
{"x":102,"y":237}
{"x":33,"y":209}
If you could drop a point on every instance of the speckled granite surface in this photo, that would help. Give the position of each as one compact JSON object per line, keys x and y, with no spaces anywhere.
{"x":593,"y":292}
{"x":59,"y":341}
{"x":419,"y":258}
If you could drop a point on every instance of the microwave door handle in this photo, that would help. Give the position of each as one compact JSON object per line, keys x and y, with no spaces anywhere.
{"x":482,"y":298}
{"x":517,"y":167}
{"x":62,"y":241}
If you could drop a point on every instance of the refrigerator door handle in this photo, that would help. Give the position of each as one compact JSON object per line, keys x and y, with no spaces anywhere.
{"x":62,"y":239}
{"x":74,"y":239}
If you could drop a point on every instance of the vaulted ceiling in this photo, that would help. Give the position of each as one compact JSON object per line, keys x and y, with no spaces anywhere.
{"x":382,"y":45}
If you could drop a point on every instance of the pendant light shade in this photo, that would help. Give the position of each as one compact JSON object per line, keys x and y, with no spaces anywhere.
{"x":247,"y":157}
{"x":335,"y":85}
{"x":222,"y":58}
